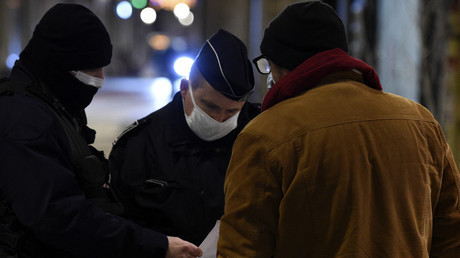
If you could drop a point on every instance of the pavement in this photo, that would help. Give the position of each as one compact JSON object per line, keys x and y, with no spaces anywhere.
{"x":120,"y":102}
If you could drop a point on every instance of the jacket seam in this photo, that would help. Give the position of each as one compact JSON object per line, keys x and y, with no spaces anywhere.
{"x":341,"y":123}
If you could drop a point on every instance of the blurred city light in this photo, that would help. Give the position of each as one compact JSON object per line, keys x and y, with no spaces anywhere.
{"x":187,"y":20}
{"x":159,"y":42}
{"x":171,"y":4}
{"x":11,"y":59}
{"x":181,"y":10}
{"x":176,"y":85}
{"x":139,"y":4}
{"x":13,"y":4}
{"x":179,"y":44}
{"x":161,"y":90}
{"x":357,"y":6}
{"x":148,"y":15}
{"x":161,"y":87}
{"x":182,"y":66}
{"x":124,"y":10}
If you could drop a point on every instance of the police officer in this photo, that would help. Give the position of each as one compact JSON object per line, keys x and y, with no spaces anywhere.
{"x":54,"y":200}
{"x":169,"y":167}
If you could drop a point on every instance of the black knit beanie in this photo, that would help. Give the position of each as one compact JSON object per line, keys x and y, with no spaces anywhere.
{"x":302,"y":30}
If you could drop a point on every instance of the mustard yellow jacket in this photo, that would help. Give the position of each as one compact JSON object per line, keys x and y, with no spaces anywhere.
{"x":342,"y":170}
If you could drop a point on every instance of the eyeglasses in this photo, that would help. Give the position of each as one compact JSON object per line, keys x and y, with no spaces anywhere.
{"x":262,"y":64}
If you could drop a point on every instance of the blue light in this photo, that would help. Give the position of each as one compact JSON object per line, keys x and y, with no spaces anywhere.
{"x":357,"y":6}
{"x":11,"y":59}
{"x":182,"y":65}
{"x":124,"y":10}
{"x":161,"y":90}
{"x":176,"y":85}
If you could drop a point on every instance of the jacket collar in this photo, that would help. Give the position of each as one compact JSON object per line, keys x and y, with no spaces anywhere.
{"x":314,"y":70}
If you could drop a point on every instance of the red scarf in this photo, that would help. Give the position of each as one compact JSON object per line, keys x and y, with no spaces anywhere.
{"x":308,"y":74}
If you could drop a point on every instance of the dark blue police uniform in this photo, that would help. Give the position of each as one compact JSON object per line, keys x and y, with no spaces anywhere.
{"x":168,"y":178}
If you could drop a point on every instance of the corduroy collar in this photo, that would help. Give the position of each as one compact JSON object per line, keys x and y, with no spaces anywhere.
{"x":307,"y":75}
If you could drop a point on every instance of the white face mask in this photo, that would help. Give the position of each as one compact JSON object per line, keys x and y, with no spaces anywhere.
{"x":88,"y":79}
{"x":206,"y":127}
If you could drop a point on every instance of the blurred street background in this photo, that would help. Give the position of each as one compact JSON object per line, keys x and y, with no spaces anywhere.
{"x":413,"y":44}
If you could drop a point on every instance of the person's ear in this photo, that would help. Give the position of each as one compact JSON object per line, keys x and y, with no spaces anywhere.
{"x":183,"y":87}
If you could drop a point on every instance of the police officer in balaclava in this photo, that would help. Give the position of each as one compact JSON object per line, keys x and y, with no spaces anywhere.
{"x":54,"y":196}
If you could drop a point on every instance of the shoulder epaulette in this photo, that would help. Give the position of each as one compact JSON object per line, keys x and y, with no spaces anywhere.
{"x":131,"y":128}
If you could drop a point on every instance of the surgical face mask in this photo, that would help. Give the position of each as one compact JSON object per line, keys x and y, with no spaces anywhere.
{"x":88,"y":79}
{"x":270,"y":81}
{"x":206,"y":127}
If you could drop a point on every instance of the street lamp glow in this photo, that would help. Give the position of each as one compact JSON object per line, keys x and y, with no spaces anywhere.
{"x":182,"y":65}
{"x":161,"y":91}
{"x":148,"y":15}
{"x":187,"y":20}
{"x":176,"y":85}
{"x":161,"y":87}
{"x":124,"y":9}
{"x":11,"y":59}
{"x":181,"y":10}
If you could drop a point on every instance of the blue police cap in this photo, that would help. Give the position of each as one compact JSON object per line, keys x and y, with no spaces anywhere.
{"x":223,"y":62}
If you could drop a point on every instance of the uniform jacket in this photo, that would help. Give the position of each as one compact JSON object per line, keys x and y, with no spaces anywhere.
{"x":169,"y":179}
{"x":341,"y":169}
{"x":38,"y":180}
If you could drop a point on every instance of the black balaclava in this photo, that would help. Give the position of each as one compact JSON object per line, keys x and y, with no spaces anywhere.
{"x":68,"y":37}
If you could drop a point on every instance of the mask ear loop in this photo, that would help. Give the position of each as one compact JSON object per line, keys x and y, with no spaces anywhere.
{"x":270,"y":81}
{"x":198,"y":108}
{"x":191,"y":93}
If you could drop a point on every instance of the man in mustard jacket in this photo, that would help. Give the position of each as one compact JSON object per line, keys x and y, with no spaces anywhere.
{"x":333,"y":166}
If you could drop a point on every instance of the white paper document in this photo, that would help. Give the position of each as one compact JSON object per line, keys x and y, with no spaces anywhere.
{"x":209,"y":244}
